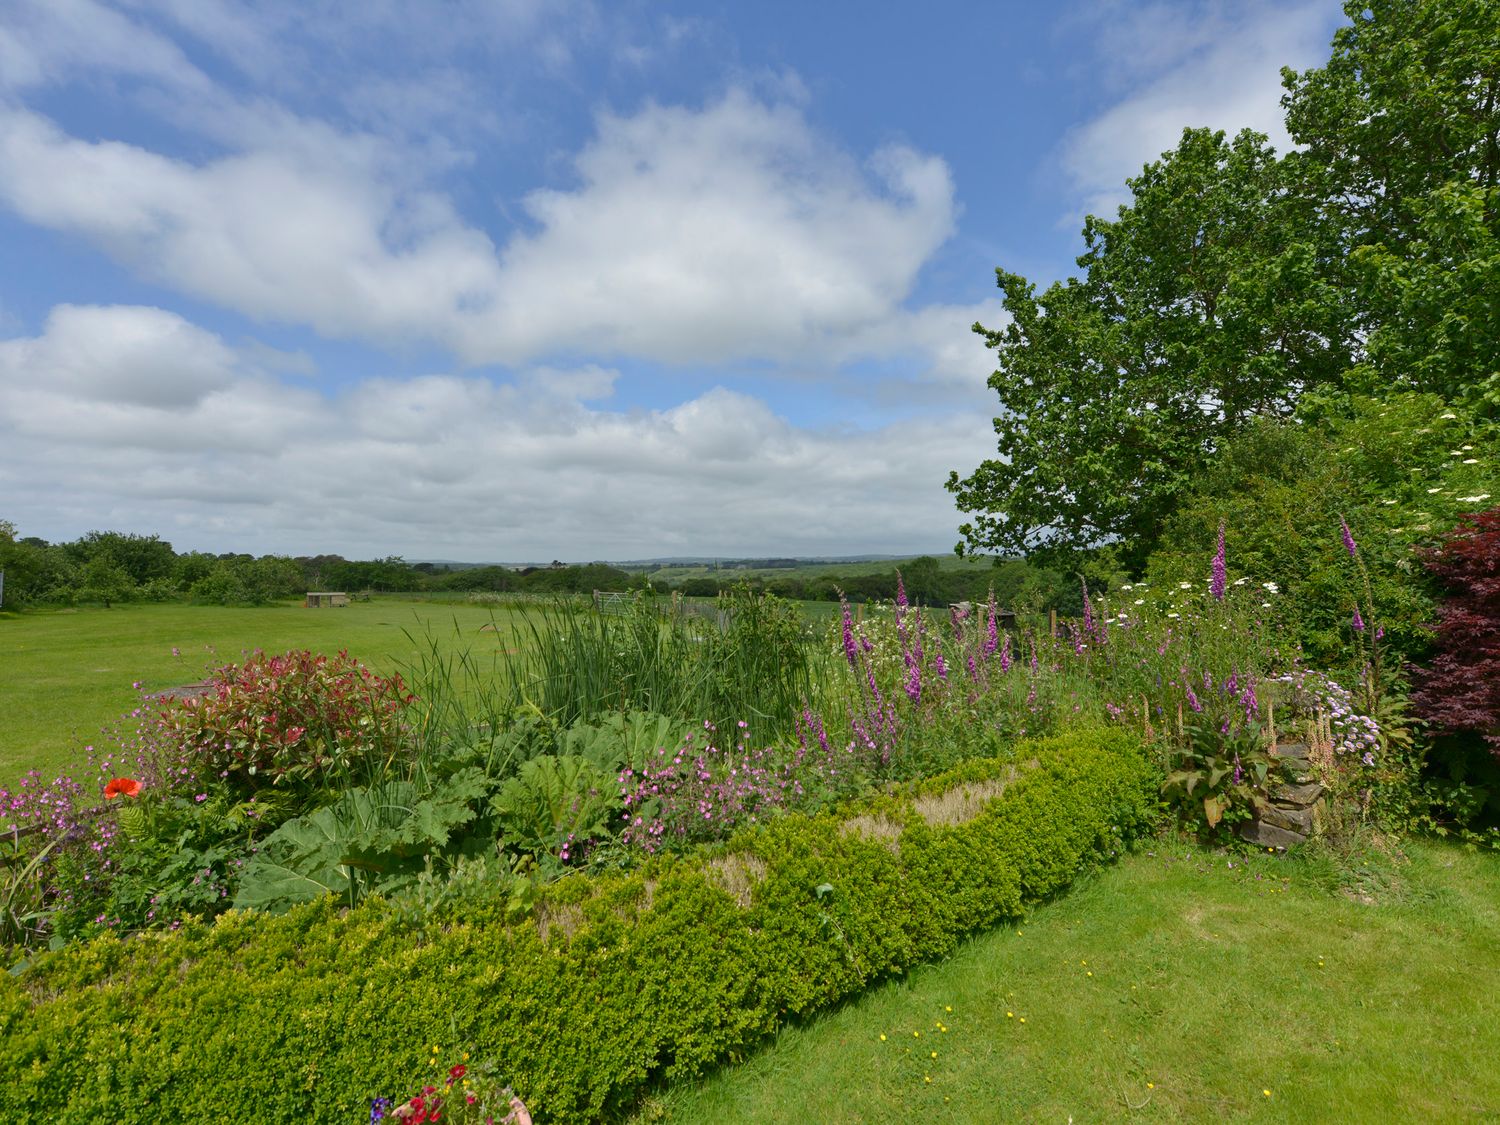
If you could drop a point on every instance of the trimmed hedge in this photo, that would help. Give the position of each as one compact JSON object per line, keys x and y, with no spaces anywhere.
{"x":662,"y":972}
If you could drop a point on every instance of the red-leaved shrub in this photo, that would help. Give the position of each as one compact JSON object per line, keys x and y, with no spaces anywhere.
{"x":297,"y":720}
{"x":1460,"y":692}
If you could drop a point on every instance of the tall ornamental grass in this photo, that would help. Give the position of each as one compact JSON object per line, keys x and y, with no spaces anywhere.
{"x":750,"y":660}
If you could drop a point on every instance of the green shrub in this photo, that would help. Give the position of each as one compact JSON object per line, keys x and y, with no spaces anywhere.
{"x":299,"y":721}
{"x":616,"y":981}
{"x":1399,"y":469}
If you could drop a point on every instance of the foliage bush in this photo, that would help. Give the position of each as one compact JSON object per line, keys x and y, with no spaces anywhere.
{"x":1400,"y":470}
{"x":299,"y":721}
{"x":1458,"y":694}
{"x":619,"y":979}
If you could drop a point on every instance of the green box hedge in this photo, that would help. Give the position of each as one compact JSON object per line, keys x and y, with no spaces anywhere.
{"x":306,"y":1016}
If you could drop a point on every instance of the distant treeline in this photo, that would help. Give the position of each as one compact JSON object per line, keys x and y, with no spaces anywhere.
{"x":109,"y":567}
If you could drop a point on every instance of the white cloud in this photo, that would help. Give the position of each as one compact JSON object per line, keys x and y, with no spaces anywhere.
{"x":444,"y":465}
{"x":1187,"y":65}
{"x":123,"y":356}
{"x":294,"y":236}
{"x":700,"y":236}
{"x":938,"y":341}
{"x":692,"y":236}
{"x":50,"y":41}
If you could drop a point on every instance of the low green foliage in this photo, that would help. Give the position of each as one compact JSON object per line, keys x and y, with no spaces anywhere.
{"x":1219,"y":776}
{"x":663,"y":971}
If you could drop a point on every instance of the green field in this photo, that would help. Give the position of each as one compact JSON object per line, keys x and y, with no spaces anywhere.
{"x":1183,"y":985}
{"x":66,"y":674}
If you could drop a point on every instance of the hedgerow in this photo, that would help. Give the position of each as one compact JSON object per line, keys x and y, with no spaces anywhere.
{"x":615,"y":982}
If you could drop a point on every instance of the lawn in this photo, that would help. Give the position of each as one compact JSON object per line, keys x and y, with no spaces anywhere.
{"x":66,"y":674}
{"x":1180,"y":985}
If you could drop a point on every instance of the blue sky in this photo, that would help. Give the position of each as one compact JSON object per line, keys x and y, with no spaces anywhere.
{"x":525,"y":279}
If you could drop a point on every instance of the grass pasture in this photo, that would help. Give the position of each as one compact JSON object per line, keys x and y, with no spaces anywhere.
{"x":1183,"y":985}
{"x":66,"y":674}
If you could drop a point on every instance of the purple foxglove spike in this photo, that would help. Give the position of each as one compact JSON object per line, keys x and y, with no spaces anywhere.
{"x":849,"y":650}
{"x":1219,"y":581}
{"x":1349,"y":544}
{"x":1358,"y":622}
{"x":1005,"y":660}
{"x":914,"y":684}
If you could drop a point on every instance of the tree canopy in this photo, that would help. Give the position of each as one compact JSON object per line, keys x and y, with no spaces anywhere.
{"x":1235,"y":280}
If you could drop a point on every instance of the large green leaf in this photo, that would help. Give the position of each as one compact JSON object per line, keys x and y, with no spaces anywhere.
{"x":555,"y":797}
{"x":618,"y":739}
{"x":301,"y":862}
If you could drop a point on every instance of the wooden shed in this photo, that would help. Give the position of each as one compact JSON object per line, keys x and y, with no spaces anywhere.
{"x":317,"y":601}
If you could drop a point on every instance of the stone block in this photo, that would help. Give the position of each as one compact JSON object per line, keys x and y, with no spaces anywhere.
{"x":1300,"y":796}
{"x":1268,"y":835}
{"x":1293,"y":820}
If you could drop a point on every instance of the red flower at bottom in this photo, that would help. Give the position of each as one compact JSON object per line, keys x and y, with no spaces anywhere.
{"x":118,"y":785}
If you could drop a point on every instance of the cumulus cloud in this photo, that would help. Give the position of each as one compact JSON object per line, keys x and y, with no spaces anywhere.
{"x":691,"y":236}
{"x":121,"y":356}
{"x":284,"y":235}
{"x":313,"y":188}
{"x":703,"y":235}
{"x":460,"y":465}
{"x":1187,"y":65}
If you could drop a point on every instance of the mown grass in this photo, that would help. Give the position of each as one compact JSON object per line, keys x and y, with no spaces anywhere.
{"x":1178,"y":986}
{"x":66,"y":674}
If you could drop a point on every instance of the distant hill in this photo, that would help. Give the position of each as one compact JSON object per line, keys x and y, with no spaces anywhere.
{"x":720,"y":563}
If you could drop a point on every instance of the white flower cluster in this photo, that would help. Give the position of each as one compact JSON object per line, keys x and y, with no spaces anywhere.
{"x":1353,"y":733}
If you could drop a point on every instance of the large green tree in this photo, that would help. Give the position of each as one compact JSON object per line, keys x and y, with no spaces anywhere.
{"x":1399,"y":139}
{"x":1203,"y":304}
{"x":1236,"y":280}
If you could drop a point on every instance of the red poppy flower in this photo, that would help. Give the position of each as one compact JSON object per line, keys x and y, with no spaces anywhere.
{"x":457,"y":1072}
{"x":118,"y":785}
